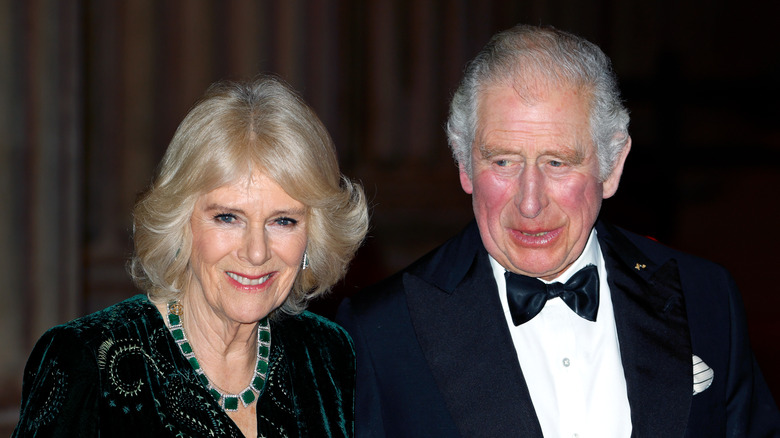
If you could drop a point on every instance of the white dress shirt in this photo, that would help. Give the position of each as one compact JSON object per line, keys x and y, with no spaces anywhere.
{"x":572,"y":366}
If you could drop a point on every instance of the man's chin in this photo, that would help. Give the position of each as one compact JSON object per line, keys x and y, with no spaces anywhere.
{"x":546,"y":269}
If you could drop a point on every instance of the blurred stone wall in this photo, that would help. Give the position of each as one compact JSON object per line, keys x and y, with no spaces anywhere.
{"x":92,"y":91}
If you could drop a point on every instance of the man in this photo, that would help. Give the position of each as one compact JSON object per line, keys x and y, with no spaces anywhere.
{"x":469,"y":341}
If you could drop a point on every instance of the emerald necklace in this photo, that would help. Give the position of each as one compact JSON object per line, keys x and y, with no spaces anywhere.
{"x":228,"y":402}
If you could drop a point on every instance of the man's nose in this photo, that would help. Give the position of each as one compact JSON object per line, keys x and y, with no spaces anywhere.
{"x":531,"y":197}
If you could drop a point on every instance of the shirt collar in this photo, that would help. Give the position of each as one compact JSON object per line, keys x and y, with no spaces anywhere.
{"x":591,"y":255}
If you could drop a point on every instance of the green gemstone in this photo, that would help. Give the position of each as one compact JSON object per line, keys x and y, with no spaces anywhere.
{"x":265,"y":336}
{"x":174,"y":319}
{"x":262,"y":366}
{"x":263,"y":351}
{"x":247,"y":396}
{"x":185,"y":348}
{"x":203,"y":379}
{"x":258,"y":382}
{"x":194,"y":363}
{"x":178,"y":334}
{"x":231,"y":402}
{"x":215,"y":394}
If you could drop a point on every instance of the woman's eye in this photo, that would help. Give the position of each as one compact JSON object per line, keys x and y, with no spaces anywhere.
{"x":285,"y":221}
{"x":227,"y":218}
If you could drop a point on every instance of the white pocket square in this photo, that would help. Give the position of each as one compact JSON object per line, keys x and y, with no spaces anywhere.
{"x":702,"y":375}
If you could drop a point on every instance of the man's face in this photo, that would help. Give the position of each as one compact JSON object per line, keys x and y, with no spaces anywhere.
{"x":535,"y":187}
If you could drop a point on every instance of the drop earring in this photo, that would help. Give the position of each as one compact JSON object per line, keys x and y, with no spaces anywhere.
{"x":305,"y":261}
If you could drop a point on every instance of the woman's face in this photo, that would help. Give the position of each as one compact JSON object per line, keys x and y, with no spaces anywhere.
{"x":248,"y":240}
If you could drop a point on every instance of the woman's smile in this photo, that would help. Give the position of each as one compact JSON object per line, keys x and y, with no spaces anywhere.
{"x":246,"y":280}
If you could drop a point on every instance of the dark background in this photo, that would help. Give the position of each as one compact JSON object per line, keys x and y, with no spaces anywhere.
{"x":93,"y":90}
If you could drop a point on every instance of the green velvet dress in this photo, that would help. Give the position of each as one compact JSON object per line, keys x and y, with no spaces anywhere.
{"x":119,"y":372}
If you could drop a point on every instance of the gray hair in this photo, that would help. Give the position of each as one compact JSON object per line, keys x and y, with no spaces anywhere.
{"x":532,"y":58}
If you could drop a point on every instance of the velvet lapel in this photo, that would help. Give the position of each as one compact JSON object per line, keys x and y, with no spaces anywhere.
{"x":457,"y":316}
{"x":653,"y":333}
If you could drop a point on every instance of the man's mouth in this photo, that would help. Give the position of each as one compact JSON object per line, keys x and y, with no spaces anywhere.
{"x":536,"y":238}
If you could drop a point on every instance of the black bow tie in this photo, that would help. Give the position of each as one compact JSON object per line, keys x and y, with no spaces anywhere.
{"x":527,"y":296}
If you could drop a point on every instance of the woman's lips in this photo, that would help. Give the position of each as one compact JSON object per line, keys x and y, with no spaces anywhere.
{"x":248,"y":281}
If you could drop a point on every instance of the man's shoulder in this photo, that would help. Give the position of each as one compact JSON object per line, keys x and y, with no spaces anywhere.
{"x":654,"y":249}
{"x":443,"y":267}
{"x":379,"y":299}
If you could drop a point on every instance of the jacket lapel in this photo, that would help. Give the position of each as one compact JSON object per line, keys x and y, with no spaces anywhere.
{"x":652,"y":329}
{"x":459,"y":323}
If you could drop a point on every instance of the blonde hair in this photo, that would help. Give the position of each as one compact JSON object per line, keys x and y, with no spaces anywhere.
{"x":234,"y":128}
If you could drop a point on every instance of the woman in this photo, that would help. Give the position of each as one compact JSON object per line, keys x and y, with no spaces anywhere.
{"x":247,"y":221}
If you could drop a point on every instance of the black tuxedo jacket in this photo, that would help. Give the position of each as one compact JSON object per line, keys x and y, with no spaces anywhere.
{"x":435,"y":357}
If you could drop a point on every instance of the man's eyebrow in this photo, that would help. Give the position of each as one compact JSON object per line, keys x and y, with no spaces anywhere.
{"x":573,"y":155}
{"x":488,"y":151}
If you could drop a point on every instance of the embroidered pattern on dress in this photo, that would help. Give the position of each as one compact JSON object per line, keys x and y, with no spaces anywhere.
{"x":184,"y":397}
{"x":57,"y":383}
{"x":182,"y":409}
{"x":278,"y":394}
{"x":144,"y":385}
{"x":277,"y":388}
{"x":278,"y":430}
{"x":112,"y":352}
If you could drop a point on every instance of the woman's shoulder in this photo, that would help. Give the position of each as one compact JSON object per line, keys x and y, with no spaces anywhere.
{"x":310,"y":329}
{"x":75,"y":344}
{"x":308,"y":322}
{"x":80,"y":346}
{"x":134,"y":310}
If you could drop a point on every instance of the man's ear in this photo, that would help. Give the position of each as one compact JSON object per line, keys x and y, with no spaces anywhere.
{"x":610,"y":186}
{"x":465,"y":179}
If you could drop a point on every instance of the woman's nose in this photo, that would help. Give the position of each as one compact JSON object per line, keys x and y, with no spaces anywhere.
{"x":255,"y":248}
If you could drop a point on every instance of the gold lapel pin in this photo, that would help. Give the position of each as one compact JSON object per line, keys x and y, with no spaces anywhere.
{"x":640,"y":266}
